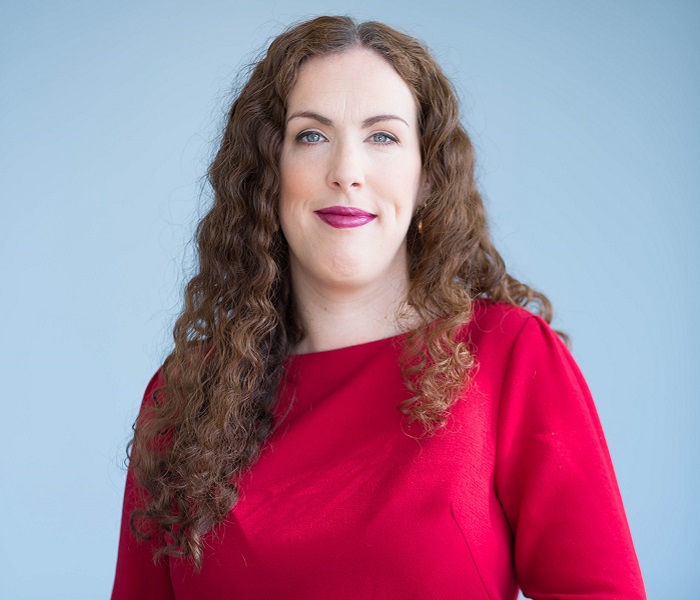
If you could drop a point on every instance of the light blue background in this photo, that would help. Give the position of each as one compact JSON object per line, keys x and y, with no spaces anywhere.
{"x":585,"y":120}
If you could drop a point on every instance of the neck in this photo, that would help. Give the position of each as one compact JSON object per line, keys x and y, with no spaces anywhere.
{"x":340,"y":317}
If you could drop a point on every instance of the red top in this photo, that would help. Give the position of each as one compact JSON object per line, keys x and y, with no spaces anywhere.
{"x":517,"y":491}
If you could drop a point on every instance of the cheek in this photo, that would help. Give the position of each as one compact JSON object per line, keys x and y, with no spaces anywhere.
{"x":402,"y":184}
{"x":296,"y":190}
{"x":297,"y":181}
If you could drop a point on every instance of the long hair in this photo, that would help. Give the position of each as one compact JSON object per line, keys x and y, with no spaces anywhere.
{"x":208,"y":421}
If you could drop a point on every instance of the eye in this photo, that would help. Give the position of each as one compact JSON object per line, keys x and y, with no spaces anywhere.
{"x":310,"y":137}
{"x":383,"y":138}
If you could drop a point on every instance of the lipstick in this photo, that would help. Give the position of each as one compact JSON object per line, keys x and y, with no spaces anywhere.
{"x":344,"y":217}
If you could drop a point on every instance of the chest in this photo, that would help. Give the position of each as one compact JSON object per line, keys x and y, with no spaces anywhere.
{"x":348,"y":501}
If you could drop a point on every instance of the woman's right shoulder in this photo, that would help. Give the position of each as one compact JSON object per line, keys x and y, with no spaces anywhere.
{"x":156,"y":381}
{"x":148,"y":401}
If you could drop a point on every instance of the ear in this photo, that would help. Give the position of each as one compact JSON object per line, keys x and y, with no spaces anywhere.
{"x":426,"y":186}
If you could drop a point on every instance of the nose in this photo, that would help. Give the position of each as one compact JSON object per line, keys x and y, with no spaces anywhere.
{"x":345,"y":170}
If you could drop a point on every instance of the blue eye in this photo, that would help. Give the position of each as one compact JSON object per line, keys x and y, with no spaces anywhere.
{"x":383,"y":138}
{"x":310,"y":137}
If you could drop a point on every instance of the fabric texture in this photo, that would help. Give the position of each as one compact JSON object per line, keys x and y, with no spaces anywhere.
{"x":348,"y":501}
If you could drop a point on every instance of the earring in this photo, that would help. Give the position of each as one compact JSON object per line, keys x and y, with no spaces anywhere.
{"x":418,"y":216}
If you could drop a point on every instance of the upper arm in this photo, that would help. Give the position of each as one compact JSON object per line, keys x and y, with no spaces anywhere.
{"x":555,"y":478}
{"x":136,"y":575}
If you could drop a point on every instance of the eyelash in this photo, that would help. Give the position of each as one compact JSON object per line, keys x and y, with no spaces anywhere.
{"x":304,"y":134}
{"x":388,"y":136}
{"x":301,"y":138}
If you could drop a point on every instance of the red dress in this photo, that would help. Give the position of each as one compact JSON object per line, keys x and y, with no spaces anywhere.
{"x":346,"y":502}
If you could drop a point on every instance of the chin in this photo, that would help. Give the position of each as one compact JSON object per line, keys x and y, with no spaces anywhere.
{"x":348,"y":273}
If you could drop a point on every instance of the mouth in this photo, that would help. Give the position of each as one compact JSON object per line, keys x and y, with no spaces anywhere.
{"x":344,"y":217}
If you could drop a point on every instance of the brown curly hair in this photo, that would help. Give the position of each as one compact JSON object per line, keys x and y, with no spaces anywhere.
{"x":207,"y":423}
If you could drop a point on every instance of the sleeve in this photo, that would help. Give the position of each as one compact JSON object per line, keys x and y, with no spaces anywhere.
{"x":137,"y":577}
{"x":555,"y":478}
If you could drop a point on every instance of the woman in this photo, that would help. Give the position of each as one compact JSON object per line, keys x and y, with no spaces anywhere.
{"x":357,"y":405}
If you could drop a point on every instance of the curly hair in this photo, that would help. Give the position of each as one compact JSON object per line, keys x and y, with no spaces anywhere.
{"x":206,"y":425}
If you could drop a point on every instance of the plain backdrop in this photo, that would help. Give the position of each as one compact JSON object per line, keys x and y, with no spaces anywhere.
{"x":585,"y":120}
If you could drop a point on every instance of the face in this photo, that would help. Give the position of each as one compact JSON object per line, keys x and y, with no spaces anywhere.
{"x":351,"y":175}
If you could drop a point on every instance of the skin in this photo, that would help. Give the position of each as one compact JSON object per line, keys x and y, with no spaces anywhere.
{"x":351,"y":139}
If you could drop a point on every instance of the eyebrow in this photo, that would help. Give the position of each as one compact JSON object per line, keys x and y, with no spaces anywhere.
{"x":328,"y":122}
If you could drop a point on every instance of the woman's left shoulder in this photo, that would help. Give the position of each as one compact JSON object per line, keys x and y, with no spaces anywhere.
{"x":501,"y":326}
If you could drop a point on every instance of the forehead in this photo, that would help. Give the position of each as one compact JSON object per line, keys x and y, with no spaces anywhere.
{"x":358,"y":80}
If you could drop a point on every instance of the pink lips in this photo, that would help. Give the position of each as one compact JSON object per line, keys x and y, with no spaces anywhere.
{"x":344,"y":217}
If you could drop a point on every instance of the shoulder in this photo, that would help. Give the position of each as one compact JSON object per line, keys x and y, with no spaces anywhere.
{"x":156,"y":382}
{"x":528,"y":371}
{"x":504,"y":324}
{"x":152,"y":399}
{"x":178,"y":372}
{"x":508,"y":340}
